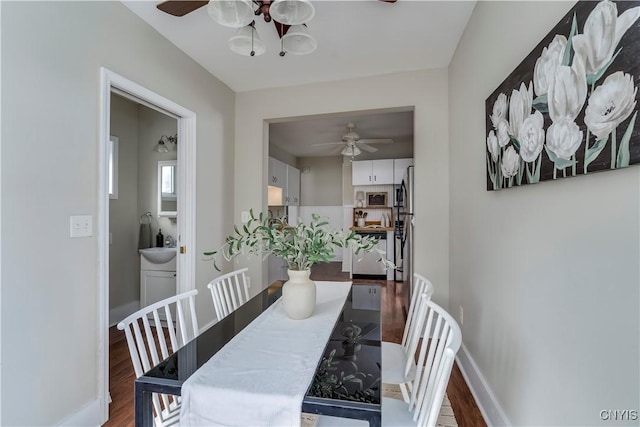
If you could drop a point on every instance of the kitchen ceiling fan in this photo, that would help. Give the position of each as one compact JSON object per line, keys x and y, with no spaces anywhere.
{"x":351,"y":144}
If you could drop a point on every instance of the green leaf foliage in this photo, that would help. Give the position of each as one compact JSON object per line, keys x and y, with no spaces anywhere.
{"x":540,"y":103}
{"x":566,"y":60}
{"x":301,"y":246}
{"x":516,"y":143}
{"x":558,"y":162}
{"x":623,"y":152}
{"x":592,"y":78}
{"x":593,"y":152}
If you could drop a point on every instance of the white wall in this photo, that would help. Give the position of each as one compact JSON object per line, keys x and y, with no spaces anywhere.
{"x":547,"y":273}
{"x":426,"y":90}
{"x":51,"y":56}
{"x":151,"y":126}
{"x":124,"y":267}
{"x":322,"y":185}
{"x":285,"y":157}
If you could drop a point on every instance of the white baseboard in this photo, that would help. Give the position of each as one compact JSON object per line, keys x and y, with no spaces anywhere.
{"x":489,"y":407}
{"x":117,"y":314}
{"x":88,"y":415}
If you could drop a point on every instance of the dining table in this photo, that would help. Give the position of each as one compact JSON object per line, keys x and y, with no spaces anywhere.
{"x":347,"y":379}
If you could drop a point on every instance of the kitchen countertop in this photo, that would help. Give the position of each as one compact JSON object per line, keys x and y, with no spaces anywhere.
{"x":371,"y":228}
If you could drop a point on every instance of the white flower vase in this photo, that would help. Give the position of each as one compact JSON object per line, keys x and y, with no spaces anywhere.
{"x":299,"y":294}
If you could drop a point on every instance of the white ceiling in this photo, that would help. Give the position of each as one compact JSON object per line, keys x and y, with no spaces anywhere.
{"x":297,"y":137}
{"x":355,"y":39}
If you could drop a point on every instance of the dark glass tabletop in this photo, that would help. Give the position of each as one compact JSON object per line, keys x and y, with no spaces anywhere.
{"x":347,"y":380}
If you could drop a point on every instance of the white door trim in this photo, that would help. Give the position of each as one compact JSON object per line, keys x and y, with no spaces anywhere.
{"x":186,"y":207}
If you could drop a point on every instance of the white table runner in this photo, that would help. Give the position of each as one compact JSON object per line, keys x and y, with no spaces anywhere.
{"x":259,"y":378}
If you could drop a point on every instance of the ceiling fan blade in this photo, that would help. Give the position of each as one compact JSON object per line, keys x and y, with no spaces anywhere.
{"x":375,"y":141}
{"x":180,"y":7}
{"x":389,"y":1}
{"x":327,"y":144}
{"x":366,"y":147}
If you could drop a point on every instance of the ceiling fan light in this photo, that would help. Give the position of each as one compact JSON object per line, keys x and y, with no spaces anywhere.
{"x":351,"y":150}
{"x":242,"y":43}
{"x":291,"y":12}
{"x":298,"y":41}
{"x":231,"y":13}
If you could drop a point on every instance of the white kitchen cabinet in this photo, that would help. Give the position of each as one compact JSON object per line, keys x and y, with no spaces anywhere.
{"x":286,"y":177}
{"x":366,"y":297}
{"x":372,"y":172}
{"x":292,"y":197}
{"x":400,"y":168}
{"x":277,"y":173}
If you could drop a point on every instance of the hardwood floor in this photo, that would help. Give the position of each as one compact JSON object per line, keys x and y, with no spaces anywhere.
{"x":394,"y":303}
{"x":121,"y":377}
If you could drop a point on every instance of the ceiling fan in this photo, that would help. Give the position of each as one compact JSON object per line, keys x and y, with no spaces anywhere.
{"x":288,"y":16}
{"x":351,"y":144}
{"x":183,"y":7}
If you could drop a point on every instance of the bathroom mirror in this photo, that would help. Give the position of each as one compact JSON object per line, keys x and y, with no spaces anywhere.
{"x":167,"y":188}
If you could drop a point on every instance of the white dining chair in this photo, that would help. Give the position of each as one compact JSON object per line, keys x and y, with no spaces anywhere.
{"x":437,"y":352}
{"x":398,"y":361}
{"x":154,"y":333}
{"x":229,"y":291}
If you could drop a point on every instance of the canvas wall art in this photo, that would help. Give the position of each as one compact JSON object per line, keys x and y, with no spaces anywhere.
{"x":570,"y":108}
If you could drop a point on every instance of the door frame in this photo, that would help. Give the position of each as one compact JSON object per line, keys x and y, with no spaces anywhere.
{"x":186,"y":262}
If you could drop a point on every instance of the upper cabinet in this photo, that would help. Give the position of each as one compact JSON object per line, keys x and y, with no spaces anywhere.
{"x":400,"y":168}
{"x":286,"y":177}
{"x":292,"y":192}
{"x":372,"y":172}
{"x":277,"y":173}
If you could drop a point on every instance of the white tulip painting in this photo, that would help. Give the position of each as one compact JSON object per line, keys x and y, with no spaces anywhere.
{"x":572,"y":97}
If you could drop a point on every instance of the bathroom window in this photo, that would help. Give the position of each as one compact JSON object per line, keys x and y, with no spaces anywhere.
{"x":113,"y":167}
{"x":168,"y":182}
{"x":167,"y":188}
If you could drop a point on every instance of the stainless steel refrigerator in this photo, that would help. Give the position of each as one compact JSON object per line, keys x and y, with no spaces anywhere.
{"x":407,"y":228}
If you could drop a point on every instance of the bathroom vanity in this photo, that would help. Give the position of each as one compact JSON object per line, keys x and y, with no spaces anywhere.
{"x":157,"y":274}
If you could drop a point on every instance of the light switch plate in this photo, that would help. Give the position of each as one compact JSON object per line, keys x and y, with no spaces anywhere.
{"x":81,"y":226}
{"x":245,"y":216}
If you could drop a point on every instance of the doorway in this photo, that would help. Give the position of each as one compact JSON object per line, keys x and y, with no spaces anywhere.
{"x":324,"y":148}
{"x":111,"y":82}
{"x":136,"y":221}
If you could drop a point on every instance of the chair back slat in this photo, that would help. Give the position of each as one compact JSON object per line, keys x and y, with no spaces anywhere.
{"x":146,"y":332}
{"x":416,"y":332}
{"x":181,"y":323}
{"x":135,"y":359}
{"x":441,"y":340}
{"x":217,"y":301}
{"x":229,"y":292}
{"x":435,"y":347}
{"x":194,"y":320}
{"x":429,"y":416}
{"x":162,"y":340}
{"x":421,"y":285}
{"x":152,"y":351}
{"x":142,"y":348}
